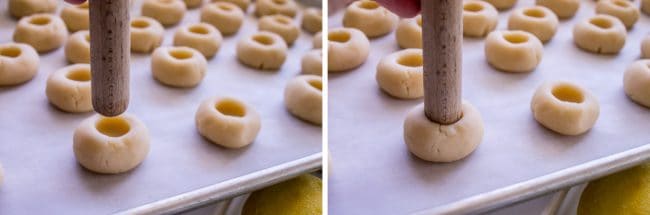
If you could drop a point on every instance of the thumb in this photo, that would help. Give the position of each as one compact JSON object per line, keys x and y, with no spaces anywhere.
{"x":402,"y":8}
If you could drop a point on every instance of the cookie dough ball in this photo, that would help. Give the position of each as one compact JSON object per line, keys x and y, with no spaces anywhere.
{"x":564,"y":9}
{"x":565,"y":107}
{"x":537,"y":20}
{"x":69,"y":88}
{"x":645,"y":47}
{"x":317,"y":41}
{"x":348,"y":48}
{"x":602,"y":34}
{"x":281,"y":25}
{"x":243,"y":4}
{"x":645,"y":6}
{"x":167,"y":12}
{"x":146,"y":34}
{"x":203,"y":37}
{"x":303,"y":98}
{"x":312,"y":62}
{"x":312,"y":20}
{"x":479,"y":18}
{"x":502,"y":4}
{"x":225,"y":16}
{"x":636,"y":82}
{"x":20,"y":8}
{"x":513,"y":51}
{"x":409,"y":33}
{"x":193,"y":3}
{"x":76,"y":17}
{"x":270,"y":7}
{"x":435,"y":142}
{"x":369,"y":17}
{"x":111,"y":145}
{"x":227,"y":122}
{"x":44,"y":32}
{"x":400,"y":74}
{"x":621,"y":9}
{"x":262,"y":50}
{"x":77,"y":48}
{"x":178,"y":66}
{"x":18,"y":63}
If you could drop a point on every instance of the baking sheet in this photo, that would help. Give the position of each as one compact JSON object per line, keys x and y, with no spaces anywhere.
{"x":42,"y":176}
{"x":373,"y":172}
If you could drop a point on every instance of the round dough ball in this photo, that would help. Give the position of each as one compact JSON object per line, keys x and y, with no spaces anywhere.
{"x":369,"y":17}
{"x":502,"y":4}
{"x":178,"y":66}
{"x":564,"y":9}
{"x":193,"y":3}
{"x":146,"y":34}
{"x":281,"y":25}
{"x":77,"y":48}
{"x":636,"y":82}
{"x":303,"y":98}
{"x":20,"y":8}
{"x":435,"y":142}
{"x":312,"y":62}
{"x":18,"y":63}
{"x":270,"y":7}
{"x":203,"y":37}
{"x":69,"y":88}
{"x":243,"y":4}
{"x":513,"y":51}
{"x":645,"y":47}
{"x":44,"y":32}
{"x":312,"y":20}
{"x":409,"y":33}
{"x":317,"y":41}
{"x":479,"y":18}
{"x":76,"y":17}
{"x":565,"y":107}
{"x":602,"y":34}
{"x":167,"y":12}
{"x":262,"y":50}
{"x":538,"y":20}
{"x":621,"y":9}
{"x":227,"y":122}
{"x":111,"y":145}
{"x":400,"y":74}
{"x":348,"y":48}
{"x":225,"y":16}
{"x":645,"y":6}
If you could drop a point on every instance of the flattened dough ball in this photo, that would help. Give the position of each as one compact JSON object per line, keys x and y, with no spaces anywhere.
{"x":270,"y":7}
{"x":409,"y":33}
{"x":77,"y":48}
{"x":479,"y":18}
{"x":69,"y":88}
{"x":243,"y":4}
{"x":645,"y":47}
{"x":312,"y":62}
{"x":167,"y":12}
{"x":502,"y":4}
{"x":44,"y":32}
{"x":303,"y":98}
{"x":262,"y":50}
{"x":312,"y":20}
{"x":203,"y":37}
{"x":369,"y":17}
{"x":565,"y":107}
{"x":564,"y":9}
{"x":636,"y":82}
{"x":603,"y":34}
{"x":348,"y":48}
{"x":20,"y":8}
{"x":400,"y":74}
{"x":225,"y":16}
{"x":76,"y":17}
{"x":227,"y":122}
{"x":281,"y":25}
{"x":178,"y":66}
{"x":111,"y":145}
{"x":146,"y":34}
{"x":513,"y":51}
{"x":18,"y":63}
{"x":538,"y":20}
{"x":443,"y":143}
{"x":624,"y":10}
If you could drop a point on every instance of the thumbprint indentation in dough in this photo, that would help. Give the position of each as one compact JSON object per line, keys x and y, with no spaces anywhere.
{"x":263,"y":39}
{"x":79,"y":74}
{"x":224,"y":7}
{"x":139,"y":23}
{"x":181,"y":54}
{"x":198,"y":29}
{"x":339,"y":36}
{"x":369,"y":5}
{"x":601,"y":22}
{"x":282,"y":20}
{"x":472,"y":7}
{"x":515,"y":37}
{"x":534,"y":12}
{"x":231,"y":107}
{"x":568,"y":93}
{"x":10,"y":52}
{"x":410,"y":60}
{"x":165,"y":1}
{"x":280,"y":1}
{"x":622,"y":3}
{"x":40,"y":20}
{"x":315,"y":83}
{"x":113,"y":126}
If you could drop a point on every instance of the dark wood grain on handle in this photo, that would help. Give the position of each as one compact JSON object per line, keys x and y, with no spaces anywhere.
{"x":442,"y":34}
{"x":109,"y":55}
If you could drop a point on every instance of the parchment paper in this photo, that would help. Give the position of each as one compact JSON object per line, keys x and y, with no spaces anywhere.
{"x":42,"y":176}
{"x":374,"y":173}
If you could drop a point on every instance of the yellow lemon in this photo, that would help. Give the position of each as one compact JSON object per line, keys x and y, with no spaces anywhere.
{"x":626,"y":192}
{"x":301,"y":195}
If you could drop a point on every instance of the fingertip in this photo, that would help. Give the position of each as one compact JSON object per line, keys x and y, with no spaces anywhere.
{"x":405,"y":9}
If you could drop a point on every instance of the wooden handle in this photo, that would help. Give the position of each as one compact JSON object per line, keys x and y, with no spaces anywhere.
{"x":442,"y":34}
{"x":109,"y":55}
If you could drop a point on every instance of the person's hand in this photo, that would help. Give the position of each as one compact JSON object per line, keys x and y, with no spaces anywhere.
{"x":75,"y":1}
{"x":403,"y":8}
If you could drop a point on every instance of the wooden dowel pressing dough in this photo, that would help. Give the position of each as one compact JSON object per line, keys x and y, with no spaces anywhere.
{"x":442,"y":34}
{"x":109,"y":47}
